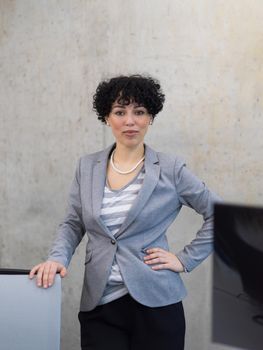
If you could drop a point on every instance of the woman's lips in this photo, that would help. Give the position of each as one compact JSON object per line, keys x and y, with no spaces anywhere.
{"x":130,"y":132}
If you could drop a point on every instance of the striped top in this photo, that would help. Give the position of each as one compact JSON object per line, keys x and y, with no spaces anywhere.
{"x":115,"y":207}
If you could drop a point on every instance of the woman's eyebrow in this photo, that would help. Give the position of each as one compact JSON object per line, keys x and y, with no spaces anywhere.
{"x":124,"y":106}
{"x":139,"y":106}
{"x":118,"y":106}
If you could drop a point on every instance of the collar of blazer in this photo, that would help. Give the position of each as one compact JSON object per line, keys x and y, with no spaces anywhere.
{"x":152,"y":172}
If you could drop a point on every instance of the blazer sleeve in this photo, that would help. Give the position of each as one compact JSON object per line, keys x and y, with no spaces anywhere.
{"x":193,"y":193}
{"x":71,"y":230}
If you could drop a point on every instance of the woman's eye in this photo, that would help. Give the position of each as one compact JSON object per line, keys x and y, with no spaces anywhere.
{"x":140,"y":112}
{"x":119,"y":113}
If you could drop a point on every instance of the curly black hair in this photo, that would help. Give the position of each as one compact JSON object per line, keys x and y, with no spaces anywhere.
{"x":143,"y":90}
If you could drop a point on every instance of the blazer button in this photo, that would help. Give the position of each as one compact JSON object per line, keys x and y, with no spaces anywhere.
{"x":113,"y":241}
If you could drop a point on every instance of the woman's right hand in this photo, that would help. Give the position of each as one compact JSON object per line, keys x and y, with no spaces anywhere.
{"x":46,"y":272}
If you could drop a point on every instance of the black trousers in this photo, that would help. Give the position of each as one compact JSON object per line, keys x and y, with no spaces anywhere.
{"x":125,"y":324}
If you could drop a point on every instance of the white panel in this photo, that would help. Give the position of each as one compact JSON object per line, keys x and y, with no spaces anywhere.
{"x":30,"y":316}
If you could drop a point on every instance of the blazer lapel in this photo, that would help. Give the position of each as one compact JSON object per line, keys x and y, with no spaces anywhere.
{"x":152,"y":173}
{"x":98,"y":184}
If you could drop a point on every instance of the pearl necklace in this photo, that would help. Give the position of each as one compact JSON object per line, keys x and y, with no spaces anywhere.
{"x":124,"y":172}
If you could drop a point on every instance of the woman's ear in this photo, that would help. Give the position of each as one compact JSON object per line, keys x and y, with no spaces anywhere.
{"x":151,"y":120}
{"x":106,"y":121}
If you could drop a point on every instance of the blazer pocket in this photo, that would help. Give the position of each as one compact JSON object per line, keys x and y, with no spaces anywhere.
{"x":88,"y":257}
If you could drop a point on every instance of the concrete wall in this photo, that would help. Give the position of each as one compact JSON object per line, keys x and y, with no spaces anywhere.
{"x":208,"y":56}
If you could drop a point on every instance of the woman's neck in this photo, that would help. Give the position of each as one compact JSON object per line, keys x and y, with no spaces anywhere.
{"x":128,"y":155}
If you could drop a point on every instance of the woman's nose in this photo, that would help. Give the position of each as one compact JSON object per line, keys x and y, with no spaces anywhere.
{"x":129,"y":120}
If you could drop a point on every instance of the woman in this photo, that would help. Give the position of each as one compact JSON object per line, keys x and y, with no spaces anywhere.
{"x":125,"y":198}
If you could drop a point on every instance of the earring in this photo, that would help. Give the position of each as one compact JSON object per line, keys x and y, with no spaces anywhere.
{"x":151,"y":122}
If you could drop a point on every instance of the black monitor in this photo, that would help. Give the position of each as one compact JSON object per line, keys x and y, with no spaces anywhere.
{"x":237,"y":298}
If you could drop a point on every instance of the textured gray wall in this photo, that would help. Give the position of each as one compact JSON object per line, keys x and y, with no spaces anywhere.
{"x":208,"y":56}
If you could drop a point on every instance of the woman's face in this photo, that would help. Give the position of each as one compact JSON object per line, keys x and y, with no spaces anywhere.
{"x":129,"y":123}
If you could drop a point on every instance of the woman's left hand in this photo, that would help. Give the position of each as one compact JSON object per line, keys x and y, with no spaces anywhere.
{"x":163,"y":260}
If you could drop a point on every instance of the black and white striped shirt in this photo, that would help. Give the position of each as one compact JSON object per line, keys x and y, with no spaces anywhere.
{"x":115,"y":207}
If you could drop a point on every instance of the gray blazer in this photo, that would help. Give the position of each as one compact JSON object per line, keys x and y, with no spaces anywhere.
{"x":167,"y":186}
